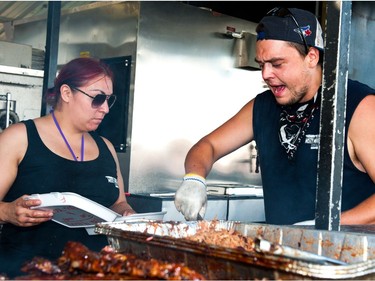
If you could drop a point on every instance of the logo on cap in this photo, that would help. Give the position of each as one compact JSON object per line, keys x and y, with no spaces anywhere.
{"x":306,"y":31}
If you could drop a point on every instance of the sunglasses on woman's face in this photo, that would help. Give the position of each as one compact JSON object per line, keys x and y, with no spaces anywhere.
{"x":99,"y":99}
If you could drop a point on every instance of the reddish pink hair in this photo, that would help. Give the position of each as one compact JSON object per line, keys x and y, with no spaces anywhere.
{"x":75,"y":74}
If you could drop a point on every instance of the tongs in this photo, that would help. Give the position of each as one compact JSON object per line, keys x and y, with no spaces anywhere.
{"x":264,"y":246}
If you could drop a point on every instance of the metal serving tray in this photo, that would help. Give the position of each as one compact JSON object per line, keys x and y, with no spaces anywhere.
{"x":165,"y":240}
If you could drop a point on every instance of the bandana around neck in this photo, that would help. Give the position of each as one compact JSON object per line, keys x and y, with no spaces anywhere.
{"x":294,"y":121}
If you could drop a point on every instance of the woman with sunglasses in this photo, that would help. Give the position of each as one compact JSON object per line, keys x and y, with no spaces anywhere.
{"x":284,"y":122}
{"x":59,"y":152}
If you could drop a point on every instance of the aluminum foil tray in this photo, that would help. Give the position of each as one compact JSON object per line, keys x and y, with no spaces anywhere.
{"x":165,"y":240}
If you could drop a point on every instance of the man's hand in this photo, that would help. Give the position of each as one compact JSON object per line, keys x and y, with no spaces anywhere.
{"x":191,"y":197}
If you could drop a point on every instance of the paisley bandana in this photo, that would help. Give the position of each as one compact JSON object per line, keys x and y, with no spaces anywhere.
{"x":294,"y":121}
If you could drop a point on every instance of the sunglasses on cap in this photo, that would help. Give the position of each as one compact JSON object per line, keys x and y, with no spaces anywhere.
{"x":99,"y":99}
{"x":285,"y":12}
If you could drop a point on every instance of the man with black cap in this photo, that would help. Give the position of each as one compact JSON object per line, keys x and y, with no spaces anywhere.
{"x":284,"y":122}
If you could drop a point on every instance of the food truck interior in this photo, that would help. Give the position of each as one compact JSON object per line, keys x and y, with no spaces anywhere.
{"x":165,"y":55}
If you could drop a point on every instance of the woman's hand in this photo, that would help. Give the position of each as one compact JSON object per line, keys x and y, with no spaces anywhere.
{"x":123,"y":208}
{"x":129,"y":211}
{"x":19,"y":212}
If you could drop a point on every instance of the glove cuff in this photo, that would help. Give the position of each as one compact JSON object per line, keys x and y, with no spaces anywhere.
{"x":195,"y":177}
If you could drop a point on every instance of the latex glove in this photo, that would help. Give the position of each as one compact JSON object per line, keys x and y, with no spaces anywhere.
{"x":308,"y":222}
{"x":191,"y":197}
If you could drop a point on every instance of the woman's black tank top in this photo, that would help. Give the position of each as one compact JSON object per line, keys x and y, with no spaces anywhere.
{"x":42,"y":171}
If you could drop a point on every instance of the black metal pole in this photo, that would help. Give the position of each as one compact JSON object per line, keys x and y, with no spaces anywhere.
{"x":332,"y":122}
{"x":52,"y":46}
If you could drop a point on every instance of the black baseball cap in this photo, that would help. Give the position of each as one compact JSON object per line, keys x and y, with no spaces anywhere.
{"x":290,"y":24}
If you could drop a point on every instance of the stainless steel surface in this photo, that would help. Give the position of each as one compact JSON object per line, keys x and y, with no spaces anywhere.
{"x":265,"y":246}
{"x":246,"y":209}
{"x":4,"y":100}
{"x":21,"y":71}
{"x":165,"y":240}
{"x":216,"y":206}
{"x":25,"y":87}
{"x":8,"y":98}
{"x":362,"y":42}
{"x":185,"y":66}
{"x":16,"y":55}
{"x":183,"y":74}
{"x":244,"y":50}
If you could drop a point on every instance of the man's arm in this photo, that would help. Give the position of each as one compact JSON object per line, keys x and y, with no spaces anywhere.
{"x":230,"y":136}
{"x":191,"y":197}
{"x":361,"y":146}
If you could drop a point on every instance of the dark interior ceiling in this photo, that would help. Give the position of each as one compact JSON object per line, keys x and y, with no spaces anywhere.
{"x":254,"y":10}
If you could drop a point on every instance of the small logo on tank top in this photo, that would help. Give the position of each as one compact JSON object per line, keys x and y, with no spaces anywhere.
{"x":112,"y":180}
{"x":313,"y":141}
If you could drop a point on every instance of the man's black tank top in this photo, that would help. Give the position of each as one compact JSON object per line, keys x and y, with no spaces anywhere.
{"x":289,"y":187}
{"x":42,"y":171}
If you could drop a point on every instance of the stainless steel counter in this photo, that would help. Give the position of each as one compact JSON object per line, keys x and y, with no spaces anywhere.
{"x":244,"y":208}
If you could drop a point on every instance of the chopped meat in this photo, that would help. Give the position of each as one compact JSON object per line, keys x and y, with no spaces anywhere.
{"x":229,"y":238}
{"x":41,"y":265}
{"x":78,"y":262}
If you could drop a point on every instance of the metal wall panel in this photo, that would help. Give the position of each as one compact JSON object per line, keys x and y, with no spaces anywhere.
{"x":362,"y":42}
{"x":15,"y":55}
{"x":185,"y":86}
{"x":184,"y":81}
{"x":25,"y":86}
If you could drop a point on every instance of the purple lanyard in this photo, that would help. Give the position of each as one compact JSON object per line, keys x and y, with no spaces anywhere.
{"x":66,"y":141}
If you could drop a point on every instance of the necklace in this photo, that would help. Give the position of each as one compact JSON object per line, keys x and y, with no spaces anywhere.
{"x":66,"y":141}
{"x":294,"y":122}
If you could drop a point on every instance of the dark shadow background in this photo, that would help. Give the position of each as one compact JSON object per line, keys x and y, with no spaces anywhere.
{"x":254,"y":10}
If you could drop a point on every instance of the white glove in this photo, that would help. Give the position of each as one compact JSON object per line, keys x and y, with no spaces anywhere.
{"x":309,"y":222}
{"x":191,"y":198}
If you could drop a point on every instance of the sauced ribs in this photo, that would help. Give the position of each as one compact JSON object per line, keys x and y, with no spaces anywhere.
{"x":78,"y":262}
{"x":231,"y":238}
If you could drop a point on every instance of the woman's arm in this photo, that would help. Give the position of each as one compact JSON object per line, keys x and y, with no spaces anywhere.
{"x":121,"y":206}
{"x":13,"y":145}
